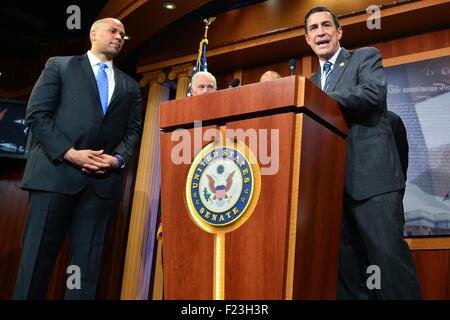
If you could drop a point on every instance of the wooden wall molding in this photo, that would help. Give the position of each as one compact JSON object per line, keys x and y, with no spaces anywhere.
{"x":419,"y":56}
{"x":292,"y":39}
{"x":429,"y":243}
{"x":120,"y":8}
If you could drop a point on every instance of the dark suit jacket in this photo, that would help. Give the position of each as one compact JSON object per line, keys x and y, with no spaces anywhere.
{"x":401,"y":139}
{"x":358,"y":84}
{"x":64,"y":111}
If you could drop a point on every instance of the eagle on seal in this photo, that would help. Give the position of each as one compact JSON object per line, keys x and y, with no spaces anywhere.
{"x":220,"y":190}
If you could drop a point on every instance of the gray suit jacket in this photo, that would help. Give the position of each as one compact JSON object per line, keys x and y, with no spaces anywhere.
{"x":358,"y":84}
{"x":64,"y":111}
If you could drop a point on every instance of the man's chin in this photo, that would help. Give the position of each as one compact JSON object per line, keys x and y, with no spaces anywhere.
{"x":323,"y":51}
{"x":323,"y":54}
{"x":112,"y":53}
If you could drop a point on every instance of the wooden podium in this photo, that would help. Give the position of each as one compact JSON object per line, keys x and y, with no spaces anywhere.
{"x":289,"y":247}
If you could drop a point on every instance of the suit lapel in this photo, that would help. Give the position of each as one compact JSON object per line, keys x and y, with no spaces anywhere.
{"x":92,"y":83}
{"x":316,"y":78}
{"x":338,"y":69}
{"x":118,"y":87}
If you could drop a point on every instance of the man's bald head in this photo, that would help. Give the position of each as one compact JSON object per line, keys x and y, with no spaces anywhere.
{"x":269,"y":75}
{"x":107,"y":37}
{"x":104,"y":23}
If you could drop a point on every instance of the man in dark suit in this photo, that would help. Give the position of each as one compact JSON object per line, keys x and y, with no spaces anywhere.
{"x":372,"y":222}
{"x":85,"y":117}
{"x":401,"y":139}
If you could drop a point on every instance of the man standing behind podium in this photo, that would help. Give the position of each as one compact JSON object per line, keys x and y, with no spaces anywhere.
{"x":85,"y":117}
{"x":203,"y":82}
{"x":372,"y":222}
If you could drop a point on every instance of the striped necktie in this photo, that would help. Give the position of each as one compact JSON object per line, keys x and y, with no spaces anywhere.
{"x":326,"y":73}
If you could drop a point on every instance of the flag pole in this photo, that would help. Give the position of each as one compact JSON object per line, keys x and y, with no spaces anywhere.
{"x":205,"y":38}
{"x":207,"y":23}
{"x":200,"y":64}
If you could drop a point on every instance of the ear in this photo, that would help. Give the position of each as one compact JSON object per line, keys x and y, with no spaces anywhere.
{"x":307,"y":38}
{"x":339,"y":33}
{"x":92,"y":35}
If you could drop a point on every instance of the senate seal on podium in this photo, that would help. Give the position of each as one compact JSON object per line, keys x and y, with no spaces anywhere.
{"x":222,"y":187}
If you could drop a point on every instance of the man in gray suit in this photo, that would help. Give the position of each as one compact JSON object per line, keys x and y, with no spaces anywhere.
{"x":85,"y":117}
{"x":372,"y":223}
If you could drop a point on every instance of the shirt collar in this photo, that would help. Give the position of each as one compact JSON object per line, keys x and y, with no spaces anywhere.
{"x":332,"y":59}
{"x":94,"y":60}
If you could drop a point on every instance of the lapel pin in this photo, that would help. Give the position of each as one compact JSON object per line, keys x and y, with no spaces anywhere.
{"x":341,"y":65}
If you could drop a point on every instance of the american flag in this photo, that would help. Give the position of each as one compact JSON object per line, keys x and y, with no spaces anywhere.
{"x":201,"y":64}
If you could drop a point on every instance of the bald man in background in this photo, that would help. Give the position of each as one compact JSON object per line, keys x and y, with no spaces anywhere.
{"x":85,"y":119}
{"x":269,"y":75}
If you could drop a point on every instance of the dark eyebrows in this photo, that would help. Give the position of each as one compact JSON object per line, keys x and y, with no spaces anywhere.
{"x":312,"y":26}
{"x":122,"y":34}
{"x":323,"y":23}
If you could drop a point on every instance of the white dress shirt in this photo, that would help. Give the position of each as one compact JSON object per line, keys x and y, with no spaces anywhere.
{"x":322,"y":62}
{"x":109,"y":72}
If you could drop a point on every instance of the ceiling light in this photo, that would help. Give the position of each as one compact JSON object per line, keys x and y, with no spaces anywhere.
{"x":169,"y":6}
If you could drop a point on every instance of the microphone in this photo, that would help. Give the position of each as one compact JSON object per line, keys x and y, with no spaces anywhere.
{"x":234,"y":83}
{"x":291,"y":64}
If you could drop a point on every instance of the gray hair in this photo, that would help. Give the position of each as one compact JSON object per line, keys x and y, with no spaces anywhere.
{"x":207,"y":74}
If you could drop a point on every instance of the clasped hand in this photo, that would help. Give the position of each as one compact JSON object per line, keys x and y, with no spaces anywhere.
{"x":91,"y":161}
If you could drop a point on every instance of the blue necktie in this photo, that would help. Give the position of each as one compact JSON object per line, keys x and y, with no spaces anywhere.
{"x":102,"y":84}
{"x":326,"y":73}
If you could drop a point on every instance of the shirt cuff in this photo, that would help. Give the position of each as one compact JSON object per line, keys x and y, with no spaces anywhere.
{"x":120,"y":160}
